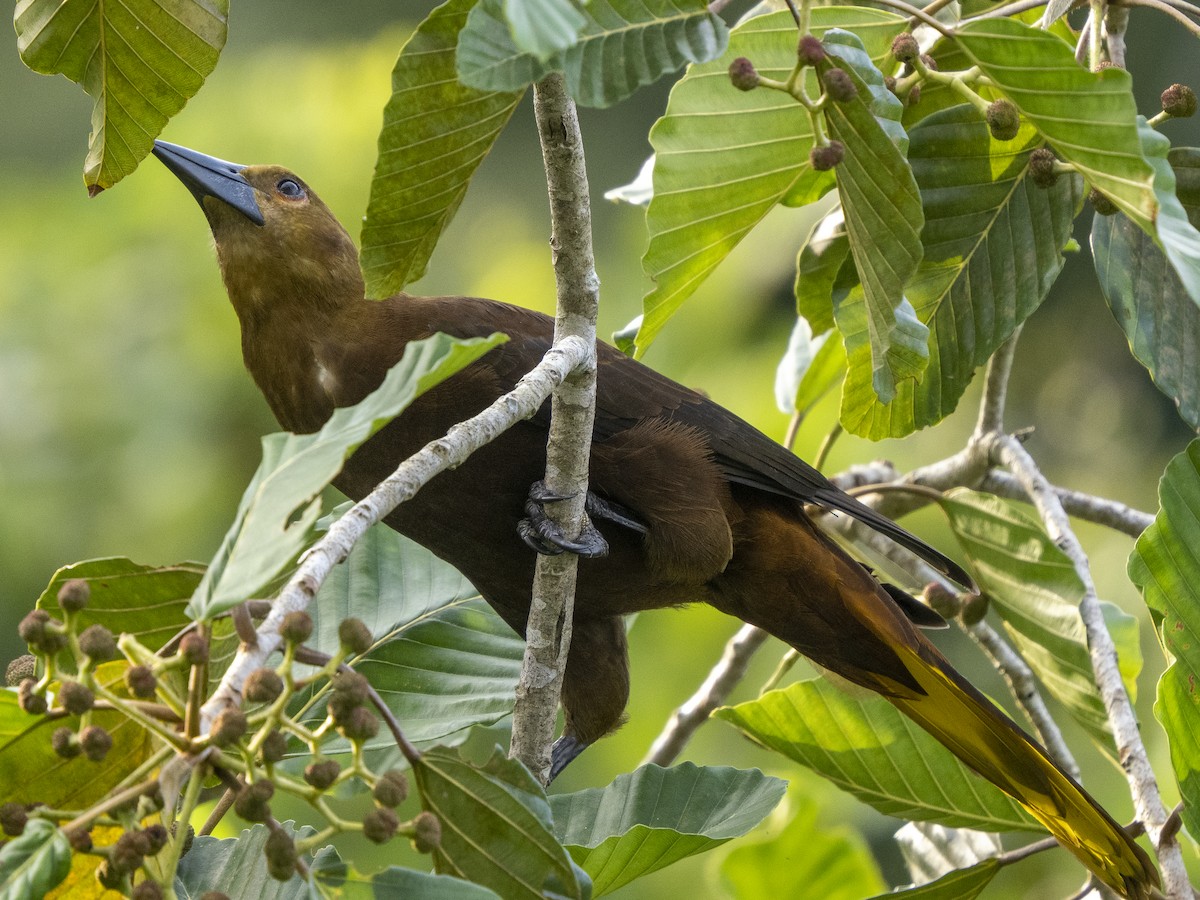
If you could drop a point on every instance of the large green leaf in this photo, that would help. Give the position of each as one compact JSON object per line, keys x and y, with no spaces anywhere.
{"x":624,"y":45}
{"x":824,"y":271}
{"x":1091,"y":121}
{"x":435,"y":134}
{"x":282,"y":502}
{"x":543,"y":27}
{"x":1034,"y":588}
{"x":725,"y":158}
{"x":992,"y":249}
{"x":34,"y":863}
{"x":650,"y":818}
{"x":147,"y":602}
{"x":805,"y":859}
{"x":406,"y":884}
{"x":1165,"y":565}
{"x":961,"y":884}
{"x":867,"y":748}
{"x":141,"y":60}
{"x":1148,"y":298}
{"x":236,"y":867}
{"x":810,"y":368}
{"x":496,"y":825}
{"x":882,"y":208}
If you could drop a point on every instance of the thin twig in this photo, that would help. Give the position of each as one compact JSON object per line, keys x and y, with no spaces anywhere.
{"x":694,"y":712}
{"x":572,"y":412}
{"x":224,"y":804}
{"x":1100,"y":510}
{"x":1171,"y":9}
{"x":1005,"y":11}
{"x":411,"y":475}
{"x":995,"y":386}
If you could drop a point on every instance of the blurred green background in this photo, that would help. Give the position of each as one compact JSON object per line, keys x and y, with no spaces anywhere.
{"x":129,"y":427}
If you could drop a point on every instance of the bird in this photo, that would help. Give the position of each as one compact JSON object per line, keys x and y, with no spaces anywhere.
{"x":686,"y":502}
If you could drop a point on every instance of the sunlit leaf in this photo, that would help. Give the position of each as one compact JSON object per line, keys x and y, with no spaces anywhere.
{"x":435,"y":134}
{"x":961,"y":884}
{"x":496,"y":825}
{"x":869,"y":749}
{"x":725,"y":158}
{"x":623,"y":45}
{"x":140,"y":60}
{"x":808,"y":858}
{"x":650,"y":818}
{"x":1165,"y":565}
{"x":1148,"y":298}
{"x":282,"y":502}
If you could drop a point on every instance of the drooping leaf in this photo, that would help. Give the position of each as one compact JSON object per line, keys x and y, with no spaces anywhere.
{"x":725,"y":158}
{"x":824,"y":271}
{"x":435,"y":134}
{"x":147,"y":602}
{"x":1165,"y":566}
{"x":881,"y":205}
{"x":961,"y":884}
{"x":869,"y":749}
{"x":496,"y":825}
{"x":650,"y":818}
{"x":34,"y":863}
{"x":543,"y":27}
{"x":234,"y":866}
{"x":805,"y":859}
{"x":282,"y":502}
{"x":623,"y":45}
{"x":993,"y":246}
{"x":140,"y":60}
{"x":1148,"y":298}
{"x":1034,"y":588}
{"x":811,"y":366}
{"x":1091,"y":121}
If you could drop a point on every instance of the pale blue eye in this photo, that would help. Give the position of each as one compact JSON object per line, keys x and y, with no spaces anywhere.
{"x":290,"y":189}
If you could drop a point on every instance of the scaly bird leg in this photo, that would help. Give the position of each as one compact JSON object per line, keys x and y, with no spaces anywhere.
{"x":545,"y":537}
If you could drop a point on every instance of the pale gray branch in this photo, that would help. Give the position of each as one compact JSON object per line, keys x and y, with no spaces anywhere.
{"x":416,"y":471}
{"x":573,"y":407}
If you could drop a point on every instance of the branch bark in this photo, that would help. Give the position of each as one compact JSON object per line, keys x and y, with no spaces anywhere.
{"x":413,"y":474}
{"x":548,"y":632}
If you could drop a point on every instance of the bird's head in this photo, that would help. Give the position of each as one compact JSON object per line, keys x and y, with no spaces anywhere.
{"x":278,"y":244}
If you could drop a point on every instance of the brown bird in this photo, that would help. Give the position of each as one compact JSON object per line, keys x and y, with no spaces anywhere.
{"x":692,"y":503}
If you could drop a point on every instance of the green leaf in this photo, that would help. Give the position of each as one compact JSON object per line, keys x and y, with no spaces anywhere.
{"x":624,"y":44}
{"x":34,"y":863}
{"x":435,"y":134}
{"x":235,"y":867}
{"x":405,"y":884}
{"x":824,"y":271}
{"x":881,"y":205}
{"x":496,"y":825}
{"x":725,"y":158}
{"x":961,"y":884}
{"x":1148,"y":298}
{"x":141,"y":60}
{"x":1091,"y":121}
{"x":282,"y":502}
{"x":147,"y":602}
{"x":543,"y":27}
{"x":992,"y":249}
{"x":1165,"y":565}
{"x":1034,"y":588}
{"x":648,"y":819}
{"x":805,"y":859}
{"x":809,"y":369}
{"x":869,"y":749}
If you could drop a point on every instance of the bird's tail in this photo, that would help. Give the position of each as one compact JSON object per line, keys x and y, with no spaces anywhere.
{"x":987,"y":741}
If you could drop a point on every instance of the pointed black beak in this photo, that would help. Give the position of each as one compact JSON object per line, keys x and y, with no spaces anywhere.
{"x":207,"y":176}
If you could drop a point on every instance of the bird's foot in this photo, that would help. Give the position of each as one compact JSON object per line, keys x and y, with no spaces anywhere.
{"x":542,"y":535}
{"x":565,"y":749}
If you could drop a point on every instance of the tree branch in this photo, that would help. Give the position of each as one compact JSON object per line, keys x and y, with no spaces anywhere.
{"x":414,"y":473}
{"x":573,"y":406}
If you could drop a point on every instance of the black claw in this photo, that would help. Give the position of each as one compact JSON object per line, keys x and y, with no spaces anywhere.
{"x":608,"y":511}
{"x":543,"y":536}
{"x":539,"y":494}
{"x":565,"y":749}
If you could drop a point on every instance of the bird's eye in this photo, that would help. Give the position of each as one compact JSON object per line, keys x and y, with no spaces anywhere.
{"x":290,"y":189}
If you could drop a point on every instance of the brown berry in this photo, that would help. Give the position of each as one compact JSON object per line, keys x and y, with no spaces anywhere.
{"x":1101,"y":204}
{"x":839,"y":85}
{"x":942,"y":600}
{"x":1041,"y":167}
{"x":391,"y":789}
{"x":98,"y":642}
{"x":30,"y":700}
{"x":193,"y":648}
{"x":109,"y":876}
{"x":889,"y":82}
{"x":141,"y":681}
{"x":1179,"y":101}
{"x":274,"y":747}
{"x":24,"y":666}
{"x":81,"y":841}
{"x":743,"y":75}
{"x":127,"y":855}
{"x":355,"y":636}
{"x":427,"y":832}
{"x":280,"y":851}
{"x":253,"y":801}
{"x":322,"y":774}
{"x":974,"y":608}
{"x":297,"y":627}
{"x":65,"y":744}
{"x":75,"y":698}
{"x":905,"y":47}
{"x":33,"y":626}
{"x":95,"y":743}
{"x":929,"y":62}
{"x":156,"y":837}
{"x":13,"y":817}
{"x":914,"y":95}
{"x":146,"y":890}
{"x":825,"y":157}
{"x":228,"y":727}
{"x":360,"y":725}
{"x":380,"y":824}
{"x":262,"y":686}
{"x":74,"y":595}
{"x":810,"y":50}
{"x":1003,"y":119}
